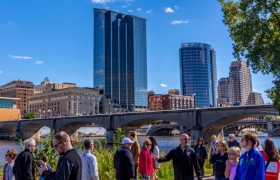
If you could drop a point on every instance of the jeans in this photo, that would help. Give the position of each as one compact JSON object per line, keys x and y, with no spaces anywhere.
{"x":201,"y":165}
{"x":217,"y":177}
{"x":135,"y":171}
{"x":148,"y":177}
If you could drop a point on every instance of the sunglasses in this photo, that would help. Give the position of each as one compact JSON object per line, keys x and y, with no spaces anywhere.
{"x":56,"y":145}
{"x":187,"y":139}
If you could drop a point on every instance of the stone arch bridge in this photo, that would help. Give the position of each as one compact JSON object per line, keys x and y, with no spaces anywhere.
{"x":202,"y":122}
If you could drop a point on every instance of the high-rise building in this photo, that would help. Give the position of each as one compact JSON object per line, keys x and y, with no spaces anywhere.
{"x":240,"y":82}
{"x":120,"y":57}
{"x":224,"y":91}
{"x":198,"y":74}
{"x":255,"y":98}
{"x":18,"y":89}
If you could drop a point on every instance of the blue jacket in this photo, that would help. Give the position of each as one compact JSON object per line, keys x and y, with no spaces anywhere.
{"x":251,"y":167}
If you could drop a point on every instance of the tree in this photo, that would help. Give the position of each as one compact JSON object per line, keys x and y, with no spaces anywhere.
{"x":29,"y":115}
{"x":254,"y":26}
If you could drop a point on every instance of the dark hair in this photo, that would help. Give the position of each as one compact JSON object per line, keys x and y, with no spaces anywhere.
{"x":88,"y":143}
{"x":250,"y":137}
{"x":271,"y":150}
{"x":132,"y":133}
{"x":44,"y":158}
{"x":200,"y":139}
{"x":154,"y":143}
{"x":12,"y":153}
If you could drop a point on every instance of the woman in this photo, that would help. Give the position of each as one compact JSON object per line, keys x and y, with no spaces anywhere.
{"x":251,"y":163}
{"x":8,"y":168}
{"x":201,"y":152}
{"x":220,"y":158}
{"x":155,"y":152}
{"x":271,"y":156}
{"x":232,"y":162}
{"x":146,"y":161}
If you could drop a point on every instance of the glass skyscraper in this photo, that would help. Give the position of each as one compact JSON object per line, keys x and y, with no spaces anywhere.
{"x":120,"y":57}
{"x":198,"y":73}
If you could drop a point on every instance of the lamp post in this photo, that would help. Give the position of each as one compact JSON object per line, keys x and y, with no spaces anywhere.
{"x":194,"y":100}
{"x":109,"y":107}
{"x":40,"y":112}
{"x":132,"y":108}
{"x":52,"y":112}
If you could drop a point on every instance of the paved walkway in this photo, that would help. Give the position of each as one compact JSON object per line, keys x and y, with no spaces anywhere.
{"x":208,"y":177}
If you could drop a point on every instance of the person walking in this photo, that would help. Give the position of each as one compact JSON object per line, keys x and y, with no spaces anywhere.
{"x":135,"y":150}
{"x":8,"y":168}
{"x":184,"y":160}
{"x":232,"y":162}
{"x":220,"y":158}
{"x":201,"y":152}
{"x":213,"y":147}
{"x":272,"y":158}
{"x":155,"y":152}
{"x":123,"y":161}
{"x":232,"y":141}
{"x":24,"y":167}
{"x":69,"y":165}
{"x":251,"y":164}
{"x":146,"y":161}
{"x":89,"y":162}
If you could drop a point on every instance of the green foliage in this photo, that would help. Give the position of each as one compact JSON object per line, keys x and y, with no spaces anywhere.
{"x":270,"y":117}
{"x":117,"y":138}
{"x":254,"y":26}
{"x":29,"y":115}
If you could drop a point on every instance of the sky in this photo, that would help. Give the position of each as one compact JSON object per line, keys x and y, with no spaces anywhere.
{"x":54,"y":39}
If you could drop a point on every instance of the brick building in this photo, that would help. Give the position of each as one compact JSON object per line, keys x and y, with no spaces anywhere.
{"x":18,"y":89}
{"x":169,"y":101}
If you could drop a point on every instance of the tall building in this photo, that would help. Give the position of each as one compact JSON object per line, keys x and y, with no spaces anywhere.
{"x":224,"y":91}
{"x":240,"y":82}
{"x":198,"y":74}
{"x":18,"y":89}
{"x":120,"y":57}
{"x":255,"y":98}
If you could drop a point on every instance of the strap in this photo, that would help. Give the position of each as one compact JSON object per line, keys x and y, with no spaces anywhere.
{"x":267,"y":164}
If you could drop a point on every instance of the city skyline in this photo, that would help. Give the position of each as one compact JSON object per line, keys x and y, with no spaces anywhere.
{"x":56,"y":40}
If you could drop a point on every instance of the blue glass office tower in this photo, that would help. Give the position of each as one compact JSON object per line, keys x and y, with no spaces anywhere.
{"x":198,"y":73}
{"x":120,"y":57}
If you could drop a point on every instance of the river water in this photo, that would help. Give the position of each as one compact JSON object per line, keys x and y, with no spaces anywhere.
{"x":165,"y":143}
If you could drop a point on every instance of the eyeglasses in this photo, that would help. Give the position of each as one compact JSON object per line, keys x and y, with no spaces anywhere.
{"x":231,"y":154}
{"x":6,"y":155}
{"x":187,"y":139}
{"x":56,"y":145}
{"x":148,"y":144}
{"x":230,"y":137}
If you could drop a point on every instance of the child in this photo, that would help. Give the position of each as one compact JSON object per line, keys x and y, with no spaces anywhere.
{"x":232,"y":162}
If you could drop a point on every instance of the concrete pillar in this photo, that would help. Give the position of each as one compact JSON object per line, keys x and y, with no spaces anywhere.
{"x":18,"y":135}
{"x":195,"y":134}
{"x":109,"y":136}
{"x":269,"y":128}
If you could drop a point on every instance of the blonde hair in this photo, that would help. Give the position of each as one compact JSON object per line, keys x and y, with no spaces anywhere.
{"x":224,"y":144}
{"x":147,"y":141}
{"x":234,"y":150}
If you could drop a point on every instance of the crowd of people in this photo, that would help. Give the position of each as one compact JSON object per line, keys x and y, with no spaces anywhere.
{"x":231,"y":160}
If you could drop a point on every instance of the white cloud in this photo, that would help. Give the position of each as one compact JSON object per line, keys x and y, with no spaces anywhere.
{"x":130,"y":10}
{"x":39,"y":62}
{"x":20,"y":57}
{"x":139,"y":9}
{"x":1,"y":72}
{"x":102,"y":1}
{"x":260,"y":83}
{"x":168,"y":10}
{"x":126,"y":6}
{"x":179,"y":22}
{"x":149,"y":11}
{"x":255,"y":90}
{"x":176,"y":7}
{"x":163,"y":85}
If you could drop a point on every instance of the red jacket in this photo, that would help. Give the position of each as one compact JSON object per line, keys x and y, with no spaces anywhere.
{"x":273,"y":169}
{"x":145,"y":162}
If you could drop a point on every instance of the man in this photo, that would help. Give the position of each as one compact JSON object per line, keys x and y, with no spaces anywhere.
{"x":184,"y":160}
{"x":69,"y":165}
{"x":89,"y":168}
{"x":24,"y":167}
{"x":123,"y":161}
{"x":232,"y":141}
{"x":213,"y":146}
{"x":135,"y":150}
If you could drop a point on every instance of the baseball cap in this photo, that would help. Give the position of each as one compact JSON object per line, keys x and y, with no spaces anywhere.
{"x":127,"y":141}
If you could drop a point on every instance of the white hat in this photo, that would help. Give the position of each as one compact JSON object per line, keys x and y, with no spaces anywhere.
{"x":127,"y":141}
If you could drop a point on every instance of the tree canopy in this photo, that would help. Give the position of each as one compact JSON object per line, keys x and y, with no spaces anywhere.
{"x":29,"y":115}
{"x":254,"y":26}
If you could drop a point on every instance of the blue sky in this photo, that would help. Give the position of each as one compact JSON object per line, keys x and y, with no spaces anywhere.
{"x":55,"y":39}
